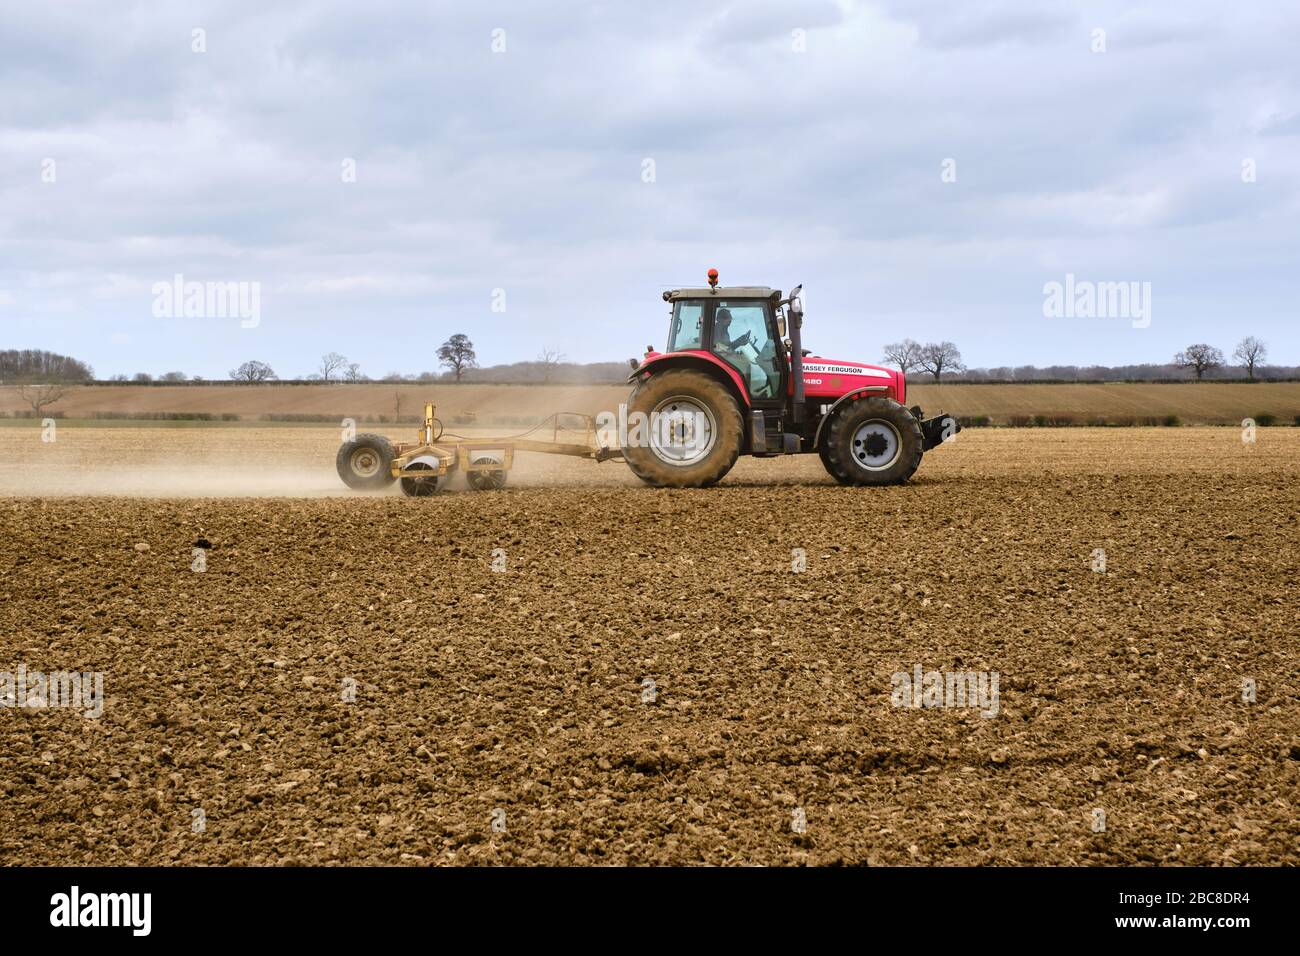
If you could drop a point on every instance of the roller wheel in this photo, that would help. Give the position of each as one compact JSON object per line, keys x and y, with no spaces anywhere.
{"x":486,"y":480}
{"x":419,"y":487}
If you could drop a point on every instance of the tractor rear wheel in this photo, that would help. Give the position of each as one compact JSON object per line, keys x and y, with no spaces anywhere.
{"x":872,"y":441}
{"x":688,"y":431}
{"x":365,"y":462}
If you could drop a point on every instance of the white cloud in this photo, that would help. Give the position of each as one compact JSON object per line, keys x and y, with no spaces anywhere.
{"x":522,"y":171}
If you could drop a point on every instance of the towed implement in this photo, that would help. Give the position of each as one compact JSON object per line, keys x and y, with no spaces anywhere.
{"x":371,"y":461}
{"x":734,"y":379}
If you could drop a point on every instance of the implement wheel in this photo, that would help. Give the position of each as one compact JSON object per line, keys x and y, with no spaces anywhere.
{"x":419,"y":487}
{"x":365,"y":462}
{"x":486,"y":480}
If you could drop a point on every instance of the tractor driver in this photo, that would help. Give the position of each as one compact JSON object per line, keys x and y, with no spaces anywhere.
{"x":755,"y":375}
{"x":722,"y":332}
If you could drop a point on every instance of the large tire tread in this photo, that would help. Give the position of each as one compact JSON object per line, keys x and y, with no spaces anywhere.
{"x":381,"y":447}
{"x":837,"y":439}
{"x":730,"y":429}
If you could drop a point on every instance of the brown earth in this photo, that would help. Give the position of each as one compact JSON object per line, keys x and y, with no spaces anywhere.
{"x":1192,"y":402}
{"x":523,"y":691}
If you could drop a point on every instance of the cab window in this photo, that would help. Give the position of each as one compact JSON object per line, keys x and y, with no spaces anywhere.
{"x":687,"y":328}
{"x":743,"y":339}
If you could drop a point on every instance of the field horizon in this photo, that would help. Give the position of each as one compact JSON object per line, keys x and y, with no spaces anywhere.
{"x":1194,"y":403}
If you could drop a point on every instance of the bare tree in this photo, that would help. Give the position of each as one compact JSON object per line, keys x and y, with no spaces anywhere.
{"x":1200,"y":358}
{"x":36,"y":365}
{"x":41,"y":396}
{"x":253,"y":371}
{"x":1251,"y":353}
{"x":353,"y":373}
{"x":457,"y":354}
{"x":939,"y":357}
{"x":331,"y":363}
{"x":142,"y":377}
{"x":550,"y":359}
{"x":905,"y":354}
{"x":172,"y":377}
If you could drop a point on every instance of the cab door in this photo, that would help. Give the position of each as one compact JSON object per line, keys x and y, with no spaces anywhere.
{"x":743,"y":334}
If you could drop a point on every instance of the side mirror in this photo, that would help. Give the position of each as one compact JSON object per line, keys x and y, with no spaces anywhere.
{"x":780,"y":326}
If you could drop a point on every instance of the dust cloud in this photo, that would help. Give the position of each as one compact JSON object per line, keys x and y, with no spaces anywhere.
{"x":228,"y":463}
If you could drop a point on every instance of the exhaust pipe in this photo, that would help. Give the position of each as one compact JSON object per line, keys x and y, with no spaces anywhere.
{"x":794,"y":310}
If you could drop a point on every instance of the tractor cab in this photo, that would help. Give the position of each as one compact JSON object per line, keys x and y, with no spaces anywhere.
{"x":736,"y":326}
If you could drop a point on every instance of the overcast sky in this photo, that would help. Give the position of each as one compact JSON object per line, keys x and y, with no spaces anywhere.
{"x":789,"y":142}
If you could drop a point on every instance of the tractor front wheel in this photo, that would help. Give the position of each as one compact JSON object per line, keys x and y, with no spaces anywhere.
{"x":684,"y":430}
{"x":830,"y":469}
{"x":872,"y":441}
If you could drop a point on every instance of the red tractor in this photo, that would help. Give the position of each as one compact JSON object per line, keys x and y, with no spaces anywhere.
{"x":732,"y":382}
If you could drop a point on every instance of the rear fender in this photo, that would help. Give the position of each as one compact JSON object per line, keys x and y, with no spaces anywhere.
{"x":705,"y":362}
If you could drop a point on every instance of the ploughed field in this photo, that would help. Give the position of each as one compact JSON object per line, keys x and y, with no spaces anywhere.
{"x":506,"y":716}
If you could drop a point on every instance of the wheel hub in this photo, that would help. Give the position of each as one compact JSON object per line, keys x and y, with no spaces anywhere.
{"x":682,"y":431}
{"x":365,"y":462}
{"x":876,"y":445}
